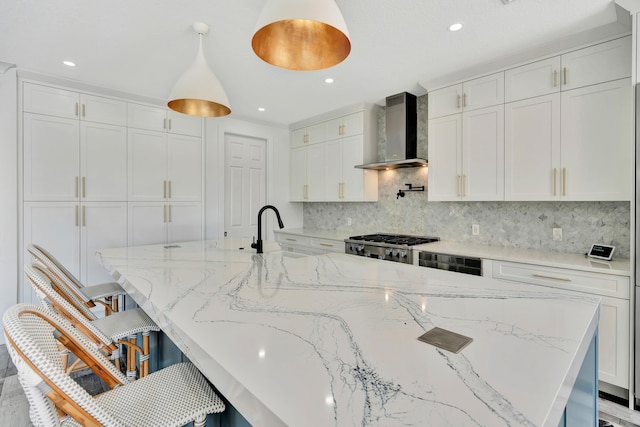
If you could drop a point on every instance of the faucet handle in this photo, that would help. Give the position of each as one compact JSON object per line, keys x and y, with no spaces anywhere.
{"x":253,"y":242}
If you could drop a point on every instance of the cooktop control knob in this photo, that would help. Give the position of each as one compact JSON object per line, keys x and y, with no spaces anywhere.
{"x":403,"y":254}
{"x":387,"y":251}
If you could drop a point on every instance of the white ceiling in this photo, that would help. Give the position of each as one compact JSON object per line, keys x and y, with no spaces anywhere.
{"x":142,"y":46}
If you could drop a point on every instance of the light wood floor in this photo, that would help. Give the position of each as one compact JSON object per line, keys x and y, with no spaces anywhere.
{"x":14,"y":409}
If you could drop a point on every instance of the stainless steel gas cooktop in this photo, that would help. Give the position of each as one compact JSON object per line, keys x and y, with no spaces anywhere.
{"x":390,"y":247}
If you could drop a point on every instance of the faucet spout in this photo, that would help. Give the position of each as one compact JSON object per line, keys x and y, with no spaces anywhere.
{"x":258,"y":244}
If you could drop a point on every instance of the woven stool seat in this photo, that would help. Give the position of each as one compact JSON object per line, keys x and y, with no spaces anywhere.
{"x":106,"y":332}
{"x":89,"y":295}
{"x":172,"y":396}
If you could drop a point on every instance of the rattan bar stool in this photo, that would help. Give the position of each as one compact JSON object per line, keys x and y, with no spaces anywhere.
{"x":89,"y":295}
{"x":170,"y":397}
{"x":105,"y":332}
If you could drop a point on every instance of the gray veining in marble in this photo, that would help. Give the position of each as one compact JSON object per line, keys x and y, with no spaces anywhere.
{"x":508,"y":224}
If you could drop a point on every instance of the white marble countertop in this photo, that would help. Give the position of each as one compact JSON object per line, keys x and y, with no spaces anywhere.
{"x":331,"y":340}
{"x":581,"y":262}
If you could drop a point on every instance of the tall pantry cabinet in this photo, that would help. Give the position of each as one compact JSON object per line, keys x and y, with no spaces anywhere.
{"x":74,"y":176}
{"x":100,"y":172}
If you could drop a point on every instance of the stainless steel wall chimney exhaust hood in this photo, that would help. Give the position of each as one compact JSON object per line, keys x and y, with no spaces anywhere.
{"x":402,"y":134}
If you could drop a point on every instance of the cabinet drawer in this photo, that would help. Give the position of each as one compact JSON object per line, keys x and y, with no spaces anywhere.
{"x":290,"y":239}
{"x":327,"y":245}
{"x":582,"y":281}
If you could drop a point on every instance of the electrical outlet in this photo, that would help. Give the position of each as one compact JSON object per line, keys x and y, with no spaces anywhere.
{"x":557,"y":234}
{"x":475,"y":229}
{"x":349,"y":221}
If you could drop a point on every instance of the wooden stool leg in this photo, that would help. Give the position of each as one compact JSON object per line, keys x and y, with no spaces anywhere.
{"x":144,"y":358}
{"x":107,"y":300}
{"x":114,"y":304}
{"x":131,"y":359}
{"x":64,"y":354}
{"x":201,"y":421}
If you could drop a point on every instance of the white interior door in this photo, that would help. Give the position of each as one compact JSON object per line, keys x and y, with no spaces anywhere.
{"x":245,"y":184}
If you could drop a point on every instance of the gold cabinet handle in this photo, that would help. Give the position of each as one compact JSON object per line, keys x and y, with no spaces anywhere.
{"x":77,"y":207}
{"x":164,"y":123}
{"x":84,"y":216}
{"x":291,"y":240}
{"x":83,"y":110}
{"x":542,"y":276}
{"x":169,"y":188}
{"x":555,"y":78}
{"x":564,"y":181}
{"x":76,"y":193}
{"x":564,"y":75}
{"x":84,"y":187}
{"x":326,"y":244}
{"x":464,"y":99}
{"x":169,"y":124}
{"x":76,"y":109}
{"x":458,"y":101}
{"x":164,"y":190}
{"x":555,"y":181}
{"x":164,"y":213}
{"x":459,"y":192}
{"x":169,"y":213}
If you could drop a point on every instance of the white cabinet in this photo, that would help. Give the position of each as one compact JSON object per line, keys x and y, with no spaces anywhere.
{"x":583,"y":67}
{"x":466,"y":156}
{"x":308,"y":173}
{"x":164,"y":166}
{"x":614,"y":291}
{"x":532,"y":149}
{"x":596,"y":137}
{"x":471,"y":95}
{"x":73,"y":105}
{"x":308,"y":245}
{"x":73,"y":232}
{"x":163,"y":120}
{"x":308,"y":135}
{"x":159,"y":222}
{"x":325,"y":170}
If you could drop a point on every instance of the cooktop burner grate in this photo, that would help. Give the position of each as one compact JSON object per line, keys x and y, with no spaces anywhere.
{"x":394,"y":239}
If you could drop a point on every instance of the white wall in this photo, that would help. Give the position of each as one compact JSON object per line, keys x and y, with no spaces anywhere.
{"x":278,"y":167}
{"x":8,"y":192}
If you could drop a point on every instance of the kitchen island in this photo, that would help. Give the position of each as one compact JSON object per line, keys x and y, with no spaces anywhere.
{"x":331,"y":340}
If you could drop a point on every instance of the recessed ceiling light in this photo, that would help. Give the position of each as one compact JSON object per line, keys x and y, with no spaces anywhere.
{"x":261,"y":109}
{"x":328,"y":80}
{"x":455,"y":27}
{"x":69,"y":63}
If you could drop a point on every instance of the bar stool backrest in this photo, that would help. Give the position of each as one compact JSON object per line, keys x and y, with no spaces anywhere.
{"x":32,"y":335}
{"x":52,"y":295}
{"x":45,"y":258}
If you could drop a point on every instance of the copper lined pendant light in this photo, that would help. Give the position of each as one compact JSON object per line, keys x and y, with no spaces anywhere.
{"x":301,"y":35}
{"x":198,"y":92}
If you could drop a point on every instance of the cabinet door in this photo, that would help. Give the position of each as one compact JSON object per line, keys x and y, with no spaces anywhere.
{"x":184,"y":222}
{"x":147,"y":223}
{"x":445,"y":101}
{"x":316,"y":172}
{"x":147,"y":165}
{"x":298,"y":138}
{"x":597,"y":64}
{"x":103,"y":225}
{"x":353,"y":184}
{"x":103,"y":162}
{"x":51,"y":158}
{"x":184,"y":168}
{"x":316,"y":133}
{"x":483,"y":92}
{"x":183,"y":124}
{"x":535,"y":79}
{"x":333,"y":173}
{"x":445,"y":154}
{"x":333,"y":129}
{"x":483,"y":154}
{"x":298,"y":174}
{"x":103,"y":110}
{"x":613,"y":342}
{"x":146,"y":117}
{"x":532,"y":149}
{"x":353,"y":124}
{"x":50,"y":101}
{"x":596,"y":142}
{"x":55,"y":227}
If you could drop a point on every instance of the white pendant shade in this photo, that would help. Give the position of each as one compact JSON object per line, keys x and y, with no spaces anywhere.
{"x":198,"y":92}
{"x":302,"y":35}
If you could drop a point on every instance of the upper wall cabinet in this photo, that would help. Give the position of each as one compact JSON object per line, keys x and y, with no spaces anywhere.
{"x":73,"y":105}
{"x":600,"y":63}
{"x":324,"y":155}
{"x":163,"y":120}
{"x":471,"y":95}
